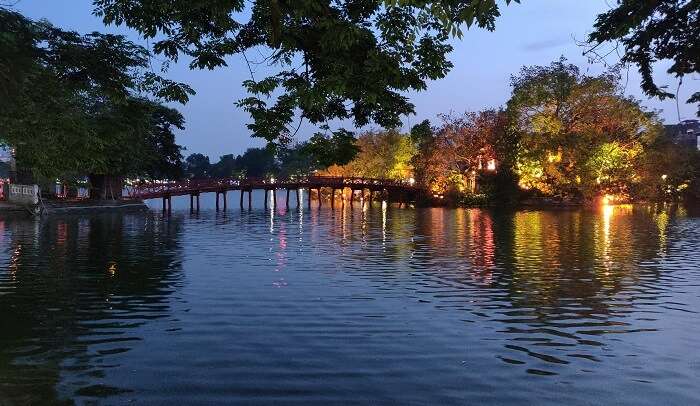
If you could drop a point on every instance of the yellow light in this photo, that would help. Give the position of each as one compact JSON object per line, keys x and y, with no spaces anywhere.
{"x":412,"y":181}
{"x":608,"y":199}
{"x":664,"y":177}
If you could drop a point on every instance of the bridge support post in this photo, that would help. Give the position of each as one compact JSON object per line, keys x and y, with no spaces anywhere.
{"x":170,"y":205}
{"x":250,"y":198}
{"x":319,"y":196}
{"x":287,"y":198}
{"x":298,"y":197}
{"x":309,"y":198}
{"x":274,"y":198}
{"x":332,"y":198}
{"x":225,"y":200}
{"x":192,"y":203}
{"x":165,"y":207}
{"x":265,"y":199}
{"x":217,"y":200}
{"x":241,"y":199}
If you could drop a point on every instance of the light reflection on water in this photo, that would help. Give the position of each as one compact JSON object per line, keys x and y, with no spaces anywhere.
{"x":352,"y":305}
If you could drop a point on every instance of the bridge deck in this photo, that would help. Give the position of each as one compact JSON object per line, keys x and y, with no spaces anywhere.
{"x":154,"y":190}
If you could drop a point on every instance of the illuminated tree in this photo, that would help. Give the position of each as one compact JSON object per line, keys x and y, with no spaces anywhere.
{"x":382,"y":154}
{"x":460,"y":147}
{"x":669,"y":171}
{"x":578,"y":136}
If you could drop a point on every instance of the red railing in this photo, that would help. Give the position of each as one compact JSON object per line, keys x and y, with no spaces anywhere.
{"x":151,"y":190}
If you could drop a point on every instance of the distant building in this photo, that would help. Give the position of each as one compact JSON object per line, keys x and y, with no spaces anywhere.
{"x":687,"y":132}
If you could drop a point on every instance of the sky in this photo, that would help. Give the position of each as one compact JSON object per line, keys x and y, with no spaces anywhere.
{"x":535,"y":32}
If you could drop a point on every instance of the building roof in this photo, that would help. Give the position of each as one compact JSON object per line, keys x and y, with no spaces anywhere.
{"x":685,"y":133}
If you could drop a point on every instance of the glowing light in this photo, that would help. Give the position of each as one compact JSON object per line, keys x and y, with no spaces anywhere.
{"x":112,"y":268}
{"x":412,"y":181}
{"x":491,"y":165}
{"x":613,"y":199}
{"x":664,"y":177}
{"x":554,"y":157}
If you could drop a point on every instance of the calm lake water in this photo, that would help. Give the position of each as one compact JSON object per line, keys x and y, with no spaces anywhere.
{"x":352,"y":306}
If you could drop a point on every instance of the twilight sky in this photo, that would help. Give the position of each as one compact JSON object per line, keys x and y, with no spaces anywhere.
{"x":535,"y":32}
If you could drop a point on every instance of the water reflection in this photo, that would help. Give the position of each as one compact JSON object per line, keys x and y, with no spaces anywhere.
{"x":311,"y":305}
{"x":73,"y":292}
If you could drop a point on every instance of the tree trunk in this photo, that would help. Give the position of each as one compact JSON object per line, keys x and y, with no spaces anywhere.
{"x":105,"y":187}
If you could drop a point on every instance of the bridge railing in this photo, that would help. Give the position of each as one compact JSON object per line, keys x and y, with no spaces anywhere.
{"x":162,"y":188}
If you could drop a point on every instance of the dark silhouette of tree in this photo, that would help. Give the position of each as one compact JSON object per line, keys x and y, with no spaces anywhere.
{"x":344,"y":59}
{"x":650,"y":31}
{"x":197,"y":166}
{"x":74,"y":104}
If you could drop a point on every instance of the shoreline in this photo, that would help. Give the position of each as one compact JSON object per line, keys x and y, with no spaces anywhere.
{"x":49,"y":207}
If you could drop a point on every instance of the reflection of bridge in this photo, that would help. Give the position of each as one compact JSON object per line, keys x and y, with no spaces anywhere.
{"x":392,"y":190}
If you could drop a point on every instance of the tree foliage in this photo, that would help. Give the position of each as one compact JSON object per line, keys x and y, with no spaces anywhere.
{"x":254,"y":163}
{"x":669,"y":171}
{"x":577,"y":135}
{"x":461,"y":146}
{"x":654,"y":30}
{"x":197,"y":166}
{"x":75,"y":104}
{"x":384,"y":154}
{"x":345,"y":59}
{"x":337,"y":148}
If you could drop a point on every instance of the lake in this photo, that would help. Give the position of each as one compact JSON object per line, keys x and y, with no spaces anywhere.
{"x":354,"y":305}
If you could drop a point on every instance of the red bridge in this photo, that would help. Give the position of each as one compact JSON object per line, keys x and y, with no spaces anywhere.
{"x":392,"y":190}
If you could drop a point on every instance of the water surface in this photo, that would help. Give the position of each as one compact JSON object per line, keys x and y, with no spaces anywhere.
{"x":352,"y":305}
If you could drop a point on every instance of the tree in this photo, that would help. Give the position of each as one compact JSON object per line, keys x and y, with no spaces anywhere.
{"x":295,"y":161}
{"x":461,"y":146}
{"x":394,"y":47}
{"x":257,"y":162}
{"x":653,"y":30}
{"x":668,"y":171}
{"x":578,"y":136}
{"x":166,"y":154}
{"x":72,"y":104}
{"x":338,"y":148}
{"x":381,"y":154}
{"x":197,"y":166}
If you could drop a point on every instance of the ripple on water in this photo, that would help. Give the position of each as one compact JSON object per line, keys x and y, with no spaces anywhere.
{"x":424,"y":306}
